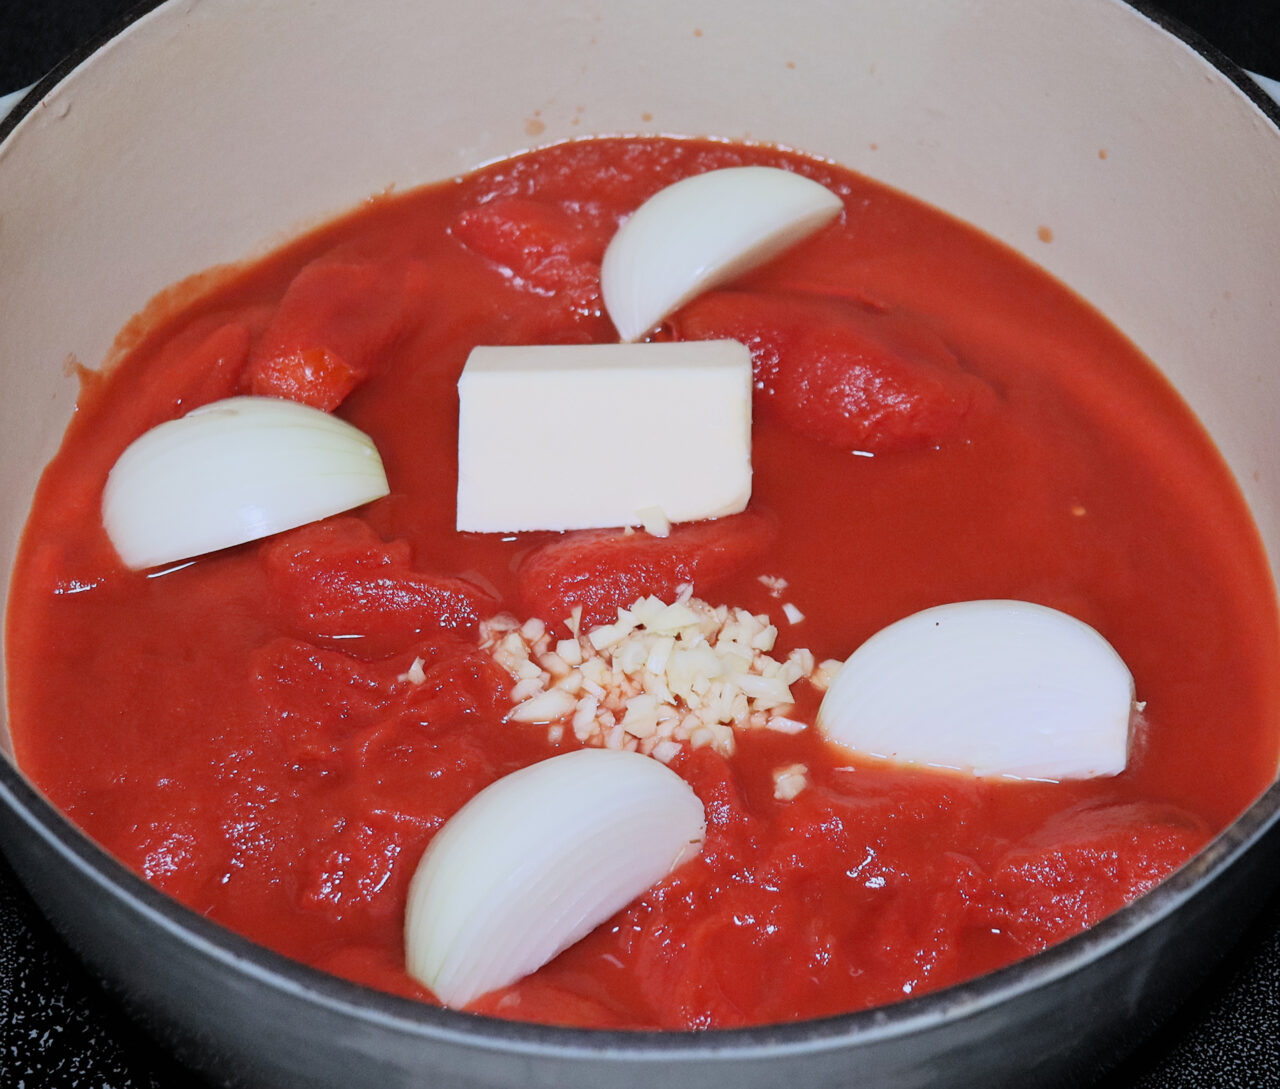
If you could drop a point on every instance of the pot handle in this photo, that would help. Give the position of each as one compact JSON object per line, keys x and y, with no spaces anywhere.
{"x":1270,"y":86}
{"x":7,"y":102}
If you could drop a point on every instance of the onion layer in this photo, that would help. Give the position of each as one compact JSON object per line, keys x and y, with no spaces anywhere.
{"x":702,"y":231}
{"x":539,"y":859}
{"x":234,"y":471}
{"x":998,"y":688}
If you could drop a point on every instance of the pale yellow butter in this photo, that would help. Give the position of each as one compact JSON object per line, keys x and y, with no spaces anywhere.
{"x":558,"y":437}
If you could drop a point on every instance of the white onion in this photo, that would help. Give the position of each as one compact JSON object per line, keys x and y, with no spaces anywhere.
{"x":234,"y":471}
{"x":702,"y":231}
{"x":539,"y":859}
{"x":999,"y":688}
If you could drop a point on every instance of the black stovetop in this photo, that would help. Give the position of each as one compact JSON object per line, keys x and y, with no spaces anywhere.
{"x":57,"y":1028}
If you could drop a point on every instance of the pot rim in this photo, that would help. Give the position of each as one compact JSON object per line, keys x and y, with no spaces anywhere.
{"x":431,"y":1023}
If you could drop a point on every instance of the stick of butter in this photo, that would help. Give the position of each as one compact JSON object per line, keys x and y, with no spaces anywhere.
{"x":591,"y":435}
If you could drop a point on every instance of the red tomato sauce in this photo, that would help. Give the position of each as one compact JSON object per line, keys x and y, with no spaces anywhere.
{"x":234,"y":730}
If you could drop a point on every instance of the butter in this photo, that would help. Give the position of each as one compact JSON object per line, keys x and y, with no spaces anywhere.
{"x":559,"y":437}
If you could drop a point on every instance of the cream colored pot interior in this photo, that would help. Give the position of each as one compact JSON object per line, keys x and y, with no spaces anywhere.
{"x":213,"y":129}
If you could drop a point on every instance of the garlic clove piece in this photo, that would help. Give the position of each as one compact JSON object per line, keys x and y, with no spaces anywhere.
{"x":539,"y":859}
{"x":234,"y":471}
{"x":702,"y":231}
{"x":996,"y":688}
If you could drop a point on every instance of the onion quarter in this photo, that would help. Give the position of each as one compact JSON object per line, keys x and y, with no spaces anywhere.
{"x":996,"y":688}
{"x":234,"y":471}
{"x":539,"y":859}
{"x":702,"y":231}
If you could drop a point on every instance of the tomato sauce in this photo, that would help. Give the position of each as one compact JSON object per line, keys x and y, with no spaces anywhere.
{"x":234,"y":729}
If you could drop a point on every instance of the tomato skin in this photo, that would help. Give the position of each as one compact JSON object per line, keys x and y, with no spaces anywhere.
{"x":848,"y":374}
{"x":607,"y":569}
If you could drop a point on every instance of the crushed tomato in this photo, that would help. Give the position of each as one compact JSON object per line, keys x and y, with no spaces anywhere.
{"x":238,"y":732}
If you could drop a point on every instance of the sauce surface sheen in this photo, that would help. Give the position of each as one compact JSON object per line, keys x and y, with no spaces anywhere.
{"x":264,"y":765}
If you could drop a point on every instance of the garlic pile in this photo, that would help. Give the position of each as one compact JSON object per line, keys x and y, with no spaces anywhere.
{"x":659,"y":677}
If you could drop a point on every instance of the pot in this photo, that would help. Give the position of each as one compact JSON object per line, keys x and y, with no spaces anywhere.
{"x":209,"y":130}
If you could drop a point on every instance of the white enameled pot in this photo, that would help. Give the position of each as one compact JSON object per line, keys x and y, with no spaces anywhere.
{"x":210,"y":130}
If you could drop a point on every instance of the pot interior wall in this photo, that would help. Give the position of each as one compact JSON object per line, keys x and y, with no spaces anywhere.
{"x":211,"y":131}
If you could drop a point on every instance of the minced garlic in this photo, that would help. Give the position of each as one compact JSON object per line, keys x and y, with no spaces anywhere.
{"x":660,"y":677}
{"x":775,"y":584}
{"x":789,"y":781}
{"x":415,"y":674}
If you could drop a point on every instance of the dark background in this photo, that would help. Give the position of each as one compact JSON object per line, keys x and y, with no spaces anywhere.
{"x":58,"y":1029}
{"x":36,"y":34}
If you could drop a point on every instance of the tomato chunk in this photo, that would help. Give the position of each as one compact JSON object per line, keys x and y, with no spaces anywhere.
{"x":313,"y":376}
{"x":1086,"y":863}
{"x":607,"y":569}
{"x":320,"y":695}
{"x":548,"y":250}
{"x":339,"y":578}
{"x":333,"y":327}
{"x":202,"y":363}
{"x":372,"y":734}
{"x":845,"y":373}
